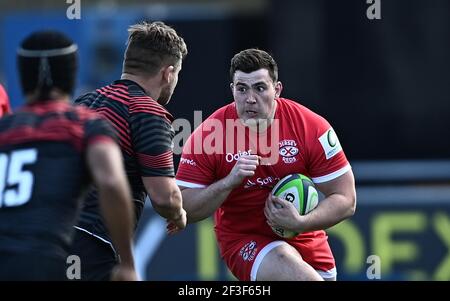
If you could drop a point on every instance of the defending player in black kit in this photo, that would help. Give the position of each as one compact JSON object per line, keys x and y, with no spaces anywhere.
{"x":135,"y":106}
{"x":50,"y":152}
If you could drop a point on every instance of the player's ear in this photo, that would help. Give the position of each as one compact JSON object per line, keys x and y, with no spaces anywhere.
{"x":278,"y":89}
{"x":167,"y":74}
{"x":231,"y":87}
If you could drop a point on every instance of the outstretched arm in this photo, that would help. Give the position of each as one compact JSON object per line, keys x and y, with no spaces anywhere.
{"x":167,"y":201}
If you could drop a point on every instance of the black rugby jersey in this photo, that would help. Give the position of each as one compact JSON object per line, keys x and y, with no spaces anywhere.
{"x":145,"y":133}
{"x":43,"y":174}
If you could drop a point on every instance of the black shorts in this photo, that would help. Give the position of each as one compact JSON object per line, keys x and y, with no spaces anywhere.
{"x":31,"y":266}
{"x":97,"y":258}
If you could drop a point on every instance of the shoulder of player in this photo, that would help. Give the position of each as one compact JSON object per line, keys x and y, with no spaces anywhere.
{"x":223,"y":113}
{"x":82,"y":99}
{"x":84,"y":113}
{"x":218,"y":116}
{"x":145,"y":104}
{"x":208,"y":125}
{"x":298,"y":110}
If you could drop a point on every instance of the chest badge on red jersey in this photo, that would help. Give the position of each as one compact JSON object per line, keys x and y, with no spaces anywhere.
{"x":288,"y":151}
{"x":248,"y":251}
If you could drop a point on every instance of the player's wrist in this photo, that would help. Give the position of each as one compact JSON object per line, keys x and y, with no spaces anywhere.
{"x":300,"y":224}
{"x":178,"y":216}
{"x":228,"y":183}
{"x":126,"y":259}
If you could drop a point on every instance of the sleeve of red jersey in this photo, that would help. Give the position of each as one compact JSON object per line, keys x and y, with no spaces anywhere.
{"x":327,"y":160}
{"x":196,"y":168}
{"x":4,"y":102}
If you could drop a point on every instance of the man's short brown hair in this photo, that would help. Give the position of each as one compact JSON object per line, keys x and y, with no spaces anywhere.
{"x":253,"y":59}
{"x":151,"y":46}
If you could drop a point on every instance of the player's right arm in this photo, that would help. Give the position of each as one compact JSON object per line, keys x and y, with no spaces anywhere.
{"x":166,"y":200}
{"x":201,"y":203}
{"x":152,"y":134}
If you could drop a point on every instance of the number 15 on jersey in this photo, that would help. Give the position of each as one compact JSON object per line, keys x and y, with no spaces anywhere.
{"x":13,"y":175}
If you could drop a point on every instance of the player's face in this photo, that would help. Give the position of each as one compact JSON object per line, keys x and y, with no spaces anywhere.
{"x":254,"y":94}
{"x":167,"y":91}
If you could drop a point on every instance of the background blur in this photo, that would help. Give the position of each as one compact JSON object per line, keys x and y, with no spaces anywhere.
{"x":383,"y":84}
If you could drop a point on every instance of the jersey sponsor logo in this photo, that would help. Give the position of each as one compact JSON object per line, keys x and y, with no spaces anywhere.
{"x":248,"y":251}
{"x":262,"y":182}
{"x":288,"y":151}
{"x":188,"y":161}
{"x":249,"y":184}
{"x":330,"y":143}
{"x":230,"y":157}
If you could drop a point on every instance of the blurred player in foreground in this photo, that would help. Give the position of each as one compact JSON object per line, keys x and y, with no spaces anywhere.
{"x":50,"y":152}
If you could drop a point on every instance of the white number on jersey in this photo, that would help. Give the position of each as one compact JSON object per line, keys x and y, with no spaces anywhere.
{"x":12,"y":174}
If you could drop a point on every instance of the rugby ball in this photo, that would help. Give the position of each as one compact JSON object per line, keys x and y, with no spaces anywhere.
{"x":299,"y":190}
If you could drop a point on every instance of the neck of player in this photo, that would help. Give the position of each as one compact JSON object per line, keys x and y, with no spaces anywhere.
{"x":54,"y":95}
